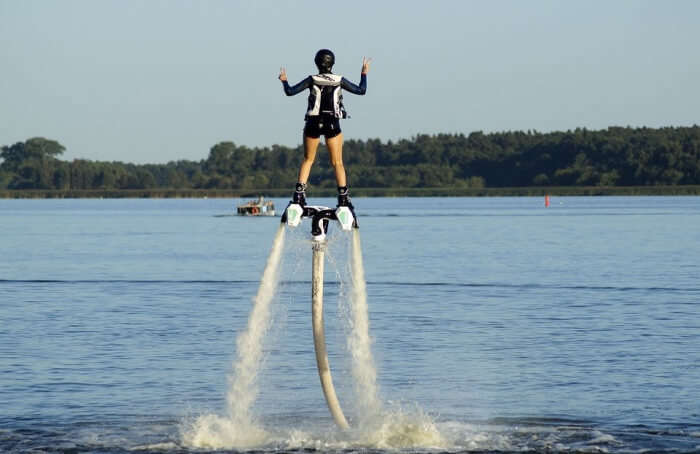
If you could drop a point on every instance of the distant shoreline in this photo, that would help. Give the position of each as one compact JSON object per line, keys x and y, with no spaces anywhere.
{"x":356,"y":192}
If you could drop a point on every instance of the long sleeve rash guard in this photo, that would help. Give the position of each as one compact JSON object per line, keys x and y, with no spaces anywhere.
{"x":325,"y":95}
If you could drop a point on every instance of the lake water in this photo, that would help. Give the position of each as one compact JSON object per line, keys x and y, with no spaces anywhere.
{"x":498,"y":325}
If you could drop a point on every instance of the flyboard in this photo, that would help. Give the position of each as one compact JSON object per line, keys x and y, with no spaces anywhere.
{"x":320,"y":219}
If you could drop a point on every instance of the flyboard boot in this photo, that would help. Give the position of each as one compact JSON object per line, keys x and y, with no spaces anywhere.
{"x":345,"y":211}
{"x":295,"y":210}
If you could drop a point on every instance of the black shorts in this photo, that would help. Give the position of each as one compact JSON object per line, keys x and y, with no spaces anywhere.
{"x":322,"y":125}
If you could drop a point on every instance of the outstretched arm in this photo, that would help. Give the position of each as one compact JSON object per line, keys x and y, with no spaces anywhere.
{"x":293,"y":90}
{"x":362,"y":88}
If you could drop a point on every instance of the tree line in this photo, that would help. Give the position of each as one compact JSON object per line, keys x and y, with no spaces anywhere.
{"x":612,"y":157}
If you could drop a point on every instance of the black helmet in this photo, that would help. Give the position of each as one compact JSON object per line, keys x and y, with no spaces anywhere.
{"x":324,"y":60}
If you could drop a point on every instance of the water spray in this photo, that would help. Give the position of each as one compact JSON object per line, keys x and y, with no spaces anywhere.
{"x":375,"y":425}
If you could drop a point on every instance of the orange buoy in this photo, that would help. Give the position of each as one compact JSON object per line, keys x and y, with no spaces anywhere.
{"x":546,"y":201}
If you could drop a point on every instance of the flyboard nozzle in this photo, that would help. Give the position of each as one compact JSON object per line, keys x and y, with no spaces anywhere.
{"x":346,"y":218}
{"x":293,"y":214}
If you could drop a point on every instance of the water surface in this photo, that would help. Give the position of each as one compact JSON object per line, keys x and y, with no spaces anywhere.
{"x":509,"y":326}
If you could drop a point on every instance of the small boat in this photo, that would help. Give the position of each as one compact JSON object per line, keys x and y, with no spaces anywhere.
{"x":259,"y":207}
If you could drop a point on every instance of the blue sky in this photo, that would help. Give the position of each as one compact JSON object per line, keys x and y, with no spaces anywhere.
{"x":155,"y":81}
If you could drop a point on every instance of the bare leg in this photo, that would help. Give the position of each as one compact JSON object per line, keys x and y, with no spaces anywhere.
{"x":335,"y":152}
{"x":310,"y":147}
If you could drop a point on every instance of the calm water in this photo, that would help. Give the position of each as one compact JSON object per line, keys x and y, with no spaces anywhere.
{"x":510,"y":326}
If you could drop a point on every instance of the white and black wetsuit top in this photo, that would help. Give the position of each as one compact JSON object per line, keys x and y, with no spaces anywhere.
{"x":325,"y":93}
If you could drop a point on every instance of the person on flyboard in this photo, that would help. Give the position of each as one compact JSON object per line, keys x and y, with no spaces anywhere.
{"x":325,"y":109}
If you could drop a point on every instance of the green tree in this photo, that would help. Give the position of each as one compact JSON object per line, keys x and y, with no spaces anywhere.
{"x":615,"y":156}
{"x":32,"y":163}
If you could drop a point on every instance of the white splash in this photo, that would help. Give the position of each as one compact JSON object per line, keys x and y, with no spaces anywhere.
{"x":400,"y":429}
